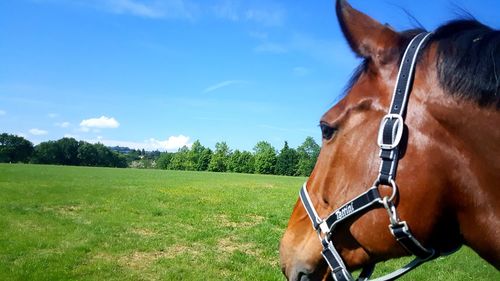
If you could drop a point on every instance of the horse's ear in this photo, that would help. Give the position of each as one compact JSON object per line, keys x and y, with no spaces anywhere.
{"x":367,"y":37}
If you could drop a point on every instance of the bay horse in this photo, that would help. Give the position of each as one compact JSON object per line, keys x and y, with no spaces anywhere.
{"x":444,"y":144}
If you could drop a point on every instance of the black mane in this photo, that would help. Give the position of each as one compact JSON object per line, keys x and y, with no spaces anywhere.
{"x":468,"y":61}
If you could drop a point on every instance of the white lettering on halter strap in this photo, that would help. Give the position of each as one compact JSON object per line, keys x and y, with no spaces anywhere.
{"x":345,"y":211}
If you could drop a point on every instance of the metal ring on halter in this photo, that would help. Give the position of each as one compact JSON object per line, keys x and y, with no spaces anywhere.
{"x":394,"y":189}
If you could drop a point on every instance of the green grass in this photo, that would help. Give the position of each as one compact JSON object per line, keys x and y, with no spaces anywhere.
{"x":77,"y":223}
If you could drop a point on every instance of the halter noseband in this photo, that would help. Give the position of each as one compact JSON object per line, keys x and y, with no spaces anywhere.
{"x":389,"y":137}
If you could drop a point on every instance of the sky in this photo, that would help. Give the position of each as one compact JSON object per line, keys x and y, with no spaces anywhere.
{"x":160,"y":74}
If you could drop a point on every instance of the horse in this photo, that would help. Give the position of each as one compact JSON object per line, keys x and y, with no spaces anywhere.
{"x":444,"y":144}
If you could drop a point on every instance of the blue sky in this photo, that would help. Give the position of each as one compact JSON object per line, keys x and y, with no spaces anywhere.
{"x":160,"y":74}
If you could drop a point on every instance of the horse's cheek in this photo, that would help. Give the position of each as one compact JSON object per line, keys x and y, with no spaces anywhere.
{"x":371,"y":230}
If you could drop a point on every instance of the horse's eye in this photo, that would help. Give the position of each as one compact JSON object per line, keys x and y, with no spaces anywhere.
{"x":327,"y":131}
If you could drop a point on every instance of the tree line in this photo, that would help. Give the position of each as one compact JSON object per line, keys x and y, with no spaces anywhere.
{"x":65,"y":151}
{"x":264,"y":159}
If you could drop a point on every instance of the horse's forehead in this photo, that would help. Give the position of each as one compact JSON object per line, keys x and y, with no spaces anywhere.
{"x":336,"y":110}
{"x":365,"y":88}
{"x":372,"y":81}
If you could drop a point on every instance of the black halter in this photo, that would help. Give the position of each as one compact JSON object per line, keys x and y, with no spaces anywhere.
{"x":389,"y":137}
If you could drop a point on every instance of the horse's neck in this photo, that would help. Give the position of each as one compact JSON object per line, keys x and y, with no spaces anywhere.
{"x":475,"y":132}
{"x":472,"y":144}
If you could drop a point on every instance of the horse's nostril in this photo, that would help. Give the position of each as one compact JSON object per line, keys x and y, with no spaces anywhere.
{"x":303,"y":276}
{"x":300,"y":274}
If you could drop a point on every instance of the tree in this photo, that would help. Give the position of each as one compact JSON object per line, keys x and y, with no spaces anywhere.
{"x":108,"y":158}
{"x":308,"y":154}
{"x":104,"y":157}
{"x":164,"y":160}
{"x":234,"y":164}
{"x":287,"y":161}
{"x":241,"y":162}
{"x":205,"y":158}
{"x":247,"y":161}
{"x":46,"y":153}
{"x":133,"y":155}
{"x":220,"y":158}
{"x":68,"y":151}
{"x":195,"y":154}
{"x":87,"y":154}
{"x":265,"y":158}
{"x":153,"y":154}
{"x":14,"y":148}
{"x":119,"y":161}
{"x":180,"y":160}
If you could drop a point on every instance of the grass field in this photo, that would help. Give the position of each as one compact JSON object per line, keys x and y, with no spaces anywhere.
{"x":76,"y":223}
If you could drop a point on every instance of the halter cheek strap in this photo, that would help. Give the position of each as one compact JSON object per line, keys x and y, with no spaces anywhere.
{"x":392,"y":125}
{"x":359,"y":205}
{"x":389,"y":138}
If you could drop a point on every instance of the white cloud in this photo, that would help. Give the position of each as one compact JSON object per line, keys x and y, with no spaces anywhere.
{"x":102,"y":122}
{"x":53,"y":115}
{"x":3,"y":112}
{"x":222,"y":85}
{"x":63,"y":124}
{"x":38,"y":132}
{"x":173,"y":143}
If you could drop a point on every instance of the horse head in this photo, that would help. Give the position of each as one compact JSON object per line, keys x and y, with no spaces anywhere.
{"x":448,"y":172}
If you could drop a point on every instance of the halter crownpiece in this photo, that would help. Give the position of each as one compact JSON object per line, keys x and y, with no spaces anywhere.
{"x":389,"y":138}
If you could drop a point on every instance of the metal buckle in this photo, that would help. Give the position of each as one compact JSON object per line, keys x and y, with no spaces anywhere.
{"x":399,"y":132}
{"x":391,"y":211}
